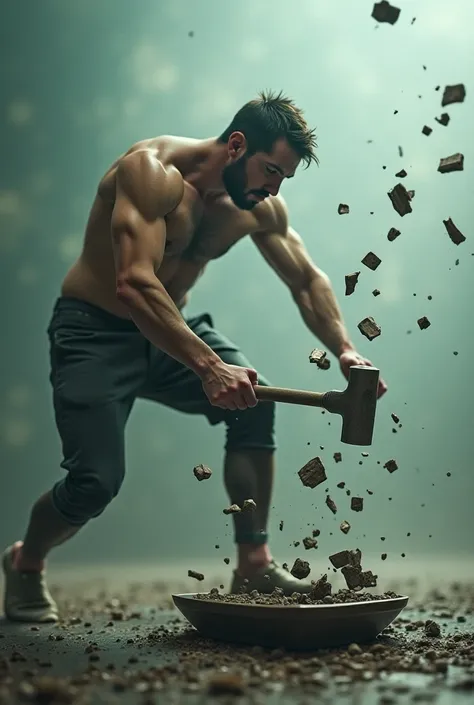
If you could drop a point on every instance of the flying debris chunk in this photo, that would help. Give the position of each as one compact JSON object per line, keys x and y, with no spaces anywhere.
{"x":331,"y":504}
{"x":356,"y":578}
{"x":319,"y":357}
{"x":202,"y":472}
{"x":455,"y":162}
{"x":443,"y":119}
{"x":391,"y":465}
{"x":313,"y":473}
{"x":453,"y":94}
{"x":352,"y":576}
{"x":233,"y":509}
{"x":350,"y":564}
{"x":371,"y":261}
{"x":345,"y":527}
{"x":456,"y":235}
{"x":343,"y":209}
{"x":393,"y":233}
{"x":427,"y":130}
{"x":384,"y":12}
{"x":369,"y":328}
{"x":301,"y":569}
{"x":368,"y":579}
{"x":401,"y":174}
{"x":400,"y":199}
{"x":248,"y":505}
{"x":193,"y":574}
{"x":309,"y":542}
{"x":351,"y":282}
{"x":423,"y":323}
{"x":352,"y":557}
{"x":376,"y":292}
{"x":357,"y":504}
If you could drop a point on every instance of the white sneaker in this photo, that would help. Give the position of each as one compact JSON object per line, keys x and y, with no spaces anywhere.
{"x":27,"y":598}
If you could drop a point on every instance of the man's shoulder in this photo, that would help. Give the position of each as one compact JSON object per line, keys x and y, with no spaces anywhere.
{"x":142,"y":172}
{"x":155,"y":152}
{"x":146,"y":154}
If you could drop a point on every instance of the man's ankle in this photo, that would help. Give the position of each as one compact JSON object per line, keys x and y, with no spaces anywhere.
{"x":252,"y":558}
{"x":24,"y":563}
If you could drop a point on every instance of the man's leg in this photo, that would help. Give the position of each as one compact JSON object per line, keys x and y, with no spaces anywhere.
{"x":249,"y":462}
{"x":46,"y":529}
{"x":93,"y":447}
{"x":248,"y":474}
{"x":96,"y":365}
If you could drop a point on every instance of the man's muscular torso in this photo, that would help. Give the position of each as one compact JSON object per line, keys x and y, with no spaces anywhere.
{"x":197,"y":231}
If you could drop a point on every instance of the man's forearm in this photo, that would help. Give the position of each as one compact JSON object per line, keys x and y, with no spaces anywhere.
{"x":155,"y":314}
{"x":322,"y":315}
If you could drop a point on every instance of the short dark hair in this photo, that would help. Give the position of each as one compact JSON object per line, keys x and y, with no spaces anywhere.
{"x":270,"y":117}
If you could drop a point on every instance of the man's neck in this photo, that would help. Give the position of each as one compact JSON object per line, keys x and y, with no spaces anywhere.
{"x":205,"y":164}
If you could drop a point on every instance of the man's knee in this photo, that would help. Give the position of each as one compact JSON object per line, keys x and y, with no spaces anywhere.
{"x":254,"y":427}
{"x":78,"y":498}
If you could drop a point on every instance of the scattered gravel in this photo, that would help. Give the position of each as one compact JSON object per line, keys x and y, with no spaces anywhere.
{"x":106,"y":647}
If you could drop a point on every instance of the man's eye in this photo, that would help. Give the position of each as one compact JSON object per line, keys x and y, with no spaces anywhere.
{"x":270,"y":170}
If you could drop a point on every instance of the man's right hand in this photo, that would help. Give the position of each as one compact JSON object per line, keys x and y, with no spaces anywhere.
{"x":230,"y":387}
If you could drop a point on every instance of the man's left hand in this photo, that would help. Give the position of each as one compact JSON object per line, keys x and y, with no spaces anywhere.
{"x":351,"y":357}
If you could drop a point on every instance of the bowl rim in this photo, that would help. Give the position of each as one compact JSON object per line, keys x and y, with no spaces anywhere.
{"x":389,"y":603}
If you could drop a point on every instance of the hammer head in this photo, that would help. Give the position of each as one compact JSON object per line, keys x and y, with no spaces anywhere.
{"x":356,"y":405}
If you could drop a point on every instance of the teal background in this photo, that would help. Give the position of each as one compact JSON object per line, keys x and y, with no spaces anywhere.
{"x":80,"y":83}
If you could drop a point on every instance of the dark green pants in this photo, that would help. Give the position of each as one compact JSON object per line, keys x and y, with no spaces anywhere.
{"x":99,"y":365}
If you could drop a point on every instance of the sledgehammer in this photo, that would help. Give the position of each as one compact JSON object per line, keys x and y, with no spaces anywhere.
{"x":356,"y":404}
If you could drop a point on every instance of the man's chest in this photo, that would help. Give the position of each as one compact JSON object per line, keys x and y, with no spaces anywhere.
{"x":205,"y":231}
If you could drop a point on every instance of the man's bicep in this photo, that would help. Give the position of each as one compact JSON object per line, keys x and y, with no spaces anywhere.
{"x":138,"y":226}
{"x":138,"y":246}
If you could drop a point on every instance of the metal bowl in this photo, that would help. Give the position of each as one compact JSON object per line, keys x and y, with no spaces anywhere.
{"x":296,"y":627}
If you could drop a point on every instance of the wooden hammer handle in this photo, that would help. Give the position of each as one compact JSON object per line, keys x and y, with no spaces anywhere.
{"x":288,"y":396}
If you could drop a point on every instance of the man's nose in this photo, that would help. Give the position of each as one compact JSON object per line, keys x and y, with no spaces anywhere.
{"x":273,"y":189}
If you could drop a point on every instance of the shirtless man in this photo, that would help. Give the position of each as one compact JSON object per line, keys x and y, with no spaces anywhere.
{"x":161,"y":213}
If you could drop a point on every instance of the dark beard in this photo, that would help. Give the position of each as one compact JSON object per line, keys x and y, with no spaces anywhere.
{"x":235,"y":182}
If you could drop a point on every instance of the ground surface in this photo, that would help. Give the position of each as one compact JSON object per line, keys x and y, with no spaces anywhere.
{"x":121,"y":641}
